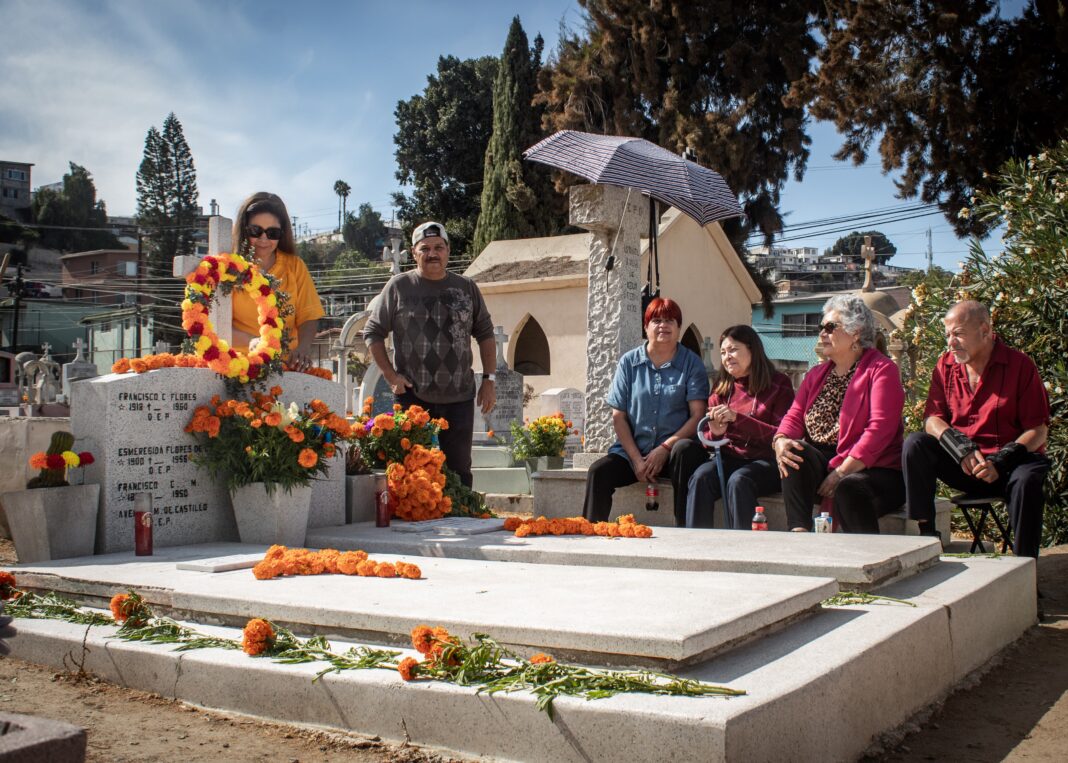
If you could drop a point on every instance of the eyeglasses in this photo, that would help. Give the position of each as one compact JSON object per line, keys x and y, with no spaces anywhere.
{"x":255,"y":231}
{"x":829,"y":327}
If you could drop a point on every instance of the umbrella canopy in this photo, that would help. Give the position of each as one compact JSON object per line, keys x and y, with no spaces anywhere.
{"x":635,"y":163}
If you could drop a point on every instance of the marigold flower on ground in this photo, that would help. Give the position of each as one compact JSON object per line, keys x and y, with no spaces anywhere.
{"x":541,"y":658}
{"x":128,"y":608}
{"x":257,"y":637}
{"x":407,"y":667}
{"x":7,"y":585}
{"x":422,"y":638}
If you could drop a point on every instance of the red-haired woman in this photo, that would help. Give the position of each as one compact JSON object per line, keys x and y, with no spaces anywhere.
{"x":657,"y":397}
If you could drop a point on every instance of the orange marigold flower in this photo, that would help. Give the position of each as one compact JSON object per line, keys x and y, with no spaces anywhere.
{"x":423,"y":638}
{"x":407,"y":667}
{"x":128,"y":607}
{"x":406,"y":426}
{"x":365,"y":569}
{"x":398,"y":407}
{"x":120,"y":366}
{"x":257,"y":637}
{"x":541,"y":659}
{"x":385,"y":570}
{"x":273,"y":419}
{"x":39,"y":461}
{"x":295,"y":434}
{"x":7,"y":585}
{"x":307,"y":458}
{"x":405,"y":443}
{"x":512,"y":523}
{"x":276,"y":391}
{"x":139,"y":366}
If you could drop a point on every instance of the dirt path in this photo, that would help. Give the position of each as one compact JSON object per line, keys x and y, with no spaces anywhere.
{"x":1019,"y":711}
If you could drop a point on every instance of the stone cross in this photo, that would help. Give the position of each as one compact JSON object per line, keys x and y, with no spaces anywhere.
{"x":867,"y":251}
{"x":617,"y":217}
{"x":46,"y":347}
{"x":707,"y":356}
{"x":78,"y":345}
{"x":500,"y":338}
{"x":220,"y":240}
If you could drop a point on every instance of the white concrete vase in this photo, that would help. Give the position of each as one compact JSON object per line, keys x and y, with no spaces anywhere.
{"x":280,"y":517}
{"x":53,"y":522}
{"x":543,"y":463}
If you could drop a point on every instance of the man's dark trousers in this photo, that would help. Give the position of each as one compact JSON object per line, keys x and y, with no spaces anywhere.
{"x":924,"y":462}
{"x":455,"y":441}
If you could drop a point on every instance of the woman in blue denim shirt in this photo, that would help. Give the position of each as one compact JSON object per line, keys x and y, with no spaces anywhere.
{"x":658,"y":397}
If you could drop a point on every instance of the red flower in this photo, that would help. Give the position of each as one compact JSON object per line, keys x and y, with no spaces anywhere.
{"x":253,"y":371}
{"x":200,"y":278}
{"x":265,"y":290}
{"x":211,"y":353}
{"x":196,"y":329}
{"x":270,"y":322}
{"x":232,"y":352}
{"x":86,"y":458}
{"x":55,"y":461}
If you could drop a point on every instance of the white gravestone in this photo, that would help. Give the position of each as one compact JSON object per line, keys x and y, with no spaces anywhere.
{"x":79,"y":368}
{"x":374,"y":385}
{"x":508,"y":386}
{"x":133,"y":424}
{"x":617,"y":217}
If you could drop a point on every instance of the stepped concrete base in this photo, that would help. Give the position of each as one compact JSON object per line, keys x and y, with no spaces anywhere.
{"x":491,"y":456}
{"x":863,"y":565}
{"x":500,"y":480}
{"x":31,"y":738}
{"x":601,"y":616}
{"x":559,"y":493}
{"x":818,"y":689}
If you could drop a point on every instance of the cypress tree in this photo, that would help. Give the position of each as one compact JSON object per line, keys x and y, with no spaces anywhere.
{"x":514,"y":194}
{"x":167,"y":194}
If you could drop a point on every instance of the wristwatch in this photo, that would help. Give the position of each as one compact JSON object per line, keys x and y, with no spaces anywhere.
{"x":489,"y":377}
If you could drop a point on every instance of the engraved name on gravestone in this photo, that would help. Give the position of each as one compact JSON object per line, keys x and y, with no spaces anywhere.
{"x":134,"y":425}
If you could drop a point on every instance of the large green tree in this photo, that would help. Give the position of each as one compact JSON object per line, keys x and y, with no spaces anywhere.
{"x":516,"y":195}
{"x":708,"y":75}
{"x":74,"y":206}
{"x":850,"y":245}
{"x":441,"y":140}
{"x":947,"y":90}
{"x":365,"y":232}
{"x":167,"y":194}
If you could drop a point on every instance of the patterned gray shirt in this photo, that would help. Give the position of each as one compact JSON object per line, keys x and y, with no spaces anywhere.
{"x":432,"y":323}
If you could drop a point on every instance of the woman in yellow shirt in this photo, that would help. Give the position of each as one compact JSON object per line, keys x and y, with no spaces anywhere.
{"x":263,"y":229}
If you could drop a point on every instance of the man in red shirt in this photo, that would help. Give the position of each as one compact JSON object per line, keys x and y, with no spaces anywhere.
{"x":985,"y":428}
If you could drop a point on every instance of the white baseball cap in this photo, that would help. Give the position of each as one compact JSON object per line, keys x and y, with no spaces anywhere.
{"x":429,"y":230}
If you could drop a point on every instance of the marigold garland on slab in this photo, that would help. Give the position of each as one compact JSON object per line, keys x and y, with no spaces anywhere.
{"x":227,"y":271}
{"x":624,"y":527}
{"x":417,"y":486}
{"x":279,"y":561}
{"x":129,"y":607}
{"x":154,"y":362}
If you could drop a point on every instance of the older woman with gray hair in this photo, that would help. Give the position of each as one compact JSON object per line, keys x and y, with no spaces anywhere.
{"x":841,"y":439}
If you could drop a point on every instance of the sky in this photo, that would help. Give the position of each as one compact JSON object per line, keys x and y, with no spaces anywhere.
{"x":290,"y":97}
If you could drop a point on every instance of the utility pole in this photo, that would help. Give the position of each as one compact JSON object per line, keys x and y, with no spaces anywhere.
{"x":930,"y":252}
{"x":137,"y":293}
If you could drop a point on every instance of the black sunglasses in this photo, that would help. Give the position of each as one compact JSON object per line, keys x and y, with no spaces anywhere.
{"x":829,"y":327}
{"x":255,"y":231}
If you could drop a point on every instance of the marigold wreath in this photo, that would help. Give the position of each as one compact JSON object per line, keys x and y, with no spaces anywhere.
{"x":225,"y":272}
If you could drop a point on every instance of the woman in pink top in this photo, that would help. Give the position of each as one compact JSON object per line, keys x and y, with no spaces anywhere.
{"x":841,"y":439}
{"x":746,"y":405}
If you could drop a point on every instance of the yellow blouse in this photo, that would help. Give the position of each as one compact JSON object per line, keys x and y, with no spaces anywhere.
{"x":294,"y":279}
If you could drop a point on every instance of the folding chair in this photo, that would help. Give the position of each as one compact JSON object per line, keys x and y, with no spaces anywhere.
{"x":984,"y":505}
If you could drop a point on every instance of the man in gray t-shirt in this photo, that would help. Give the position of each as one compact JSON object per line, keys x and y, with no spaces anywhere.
{"x":432,"y":315}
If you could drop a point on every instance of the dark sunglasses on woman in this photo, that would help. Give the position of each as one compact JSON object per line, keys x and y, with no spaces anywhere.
{"x":255,"y":231}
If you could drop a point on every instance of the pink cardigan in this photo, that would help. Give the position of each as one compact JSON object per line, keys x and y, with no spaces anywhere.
{"x":870,"y":427}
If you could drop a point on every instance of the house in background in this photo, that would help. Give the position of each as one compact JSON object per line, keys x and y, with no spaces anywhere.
{"x":791,"y":333}
{"x":101,"y":276}
{"x":15,"y":198}
{"x":536,"y":289}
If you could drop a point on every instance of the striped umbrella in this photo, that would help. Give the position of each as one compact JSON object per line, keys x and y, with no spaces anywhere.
{"x":635,"y":163}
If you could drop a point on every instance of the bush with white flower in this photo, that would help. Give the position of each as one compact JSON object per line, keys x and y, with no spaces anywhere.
{"x":1026,"y":288}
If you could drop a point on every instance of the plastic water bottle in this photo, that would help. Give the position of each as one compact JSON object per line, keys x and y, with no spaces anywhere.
{"x":652,"y":497}
{"x":760,"y":521}
{"x":824,"y":522}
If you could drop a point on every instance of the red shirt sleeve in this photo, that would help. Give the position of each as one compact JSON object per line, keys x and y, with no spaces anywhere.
{"x":1033,"y":404}
{"x":884,"y":417}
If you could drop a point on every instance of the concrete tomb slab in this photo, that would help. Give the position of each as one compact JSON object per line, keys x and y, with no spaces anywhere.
{"x":821,"y":688}
{"x":854,"y":561}
{"x":602,"y":616}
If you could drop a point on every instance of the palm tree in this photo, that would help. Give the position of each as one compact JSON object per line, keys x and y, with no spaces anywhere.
{"x":342,"y":189}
